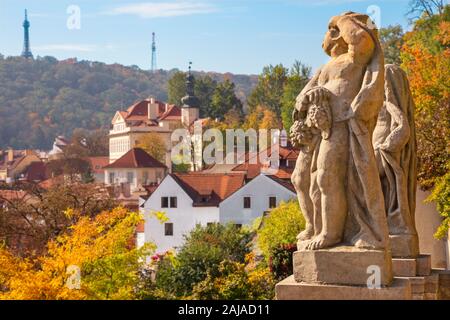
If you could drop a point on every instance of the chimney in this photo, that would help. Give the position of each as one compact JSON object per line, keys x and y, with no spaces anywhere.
{"x":153,"y":109}
{"x":10,"y":155}
{"x":167,"y":107}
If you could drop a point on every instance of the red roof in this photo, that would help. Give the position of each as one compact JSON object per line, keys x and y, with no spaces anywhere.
{"x":136,"y":158}
{"x":209,"y":189}
{"x":138,"y":113}
{"x":173,"y":113}
{"x":254,"y":169}
{"x":36,"y":171}
{"x":98,"y":163}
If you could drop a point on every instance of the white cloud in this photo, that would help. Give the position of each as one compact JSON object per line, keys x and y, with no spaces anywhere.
{"x":163,"y":9}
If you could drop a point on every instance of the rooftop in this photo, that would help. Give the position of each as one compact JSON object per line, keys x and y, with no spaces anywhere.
{"x":136,"y":158}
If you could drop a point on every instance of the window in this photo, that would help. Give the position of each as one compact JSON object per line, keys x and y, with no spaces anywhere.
{"x":168,"y":229}
{"x":112,"y":177}
{"x":164,"y":202}
{"x":247,"y":202}
{"x":130,"y":177}
{"x":272,"y":202}
{"x":173,"y":202}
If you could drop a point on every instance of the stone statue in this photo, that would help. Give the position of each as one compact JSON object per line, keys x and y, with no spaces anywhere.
{"x":394,"y":141}
{"x":336,"y":175}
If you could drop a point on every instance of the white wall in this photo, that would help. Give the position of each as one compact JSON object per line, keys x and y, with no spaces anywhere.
{"x":259,"y":190}
{"x":428,"y":220}
{"x":184,"y":217}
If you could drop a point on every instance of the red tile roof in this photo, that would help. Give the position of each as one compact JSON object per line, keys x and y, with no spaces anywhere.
{"x":254,"y":169}
{"x":209,"y":189}
{"x":173,"y":113}
{"x":98,"y":163}
{"x":36,"y":171}
{"x":138,"y":113}
{"x":136,"y":158}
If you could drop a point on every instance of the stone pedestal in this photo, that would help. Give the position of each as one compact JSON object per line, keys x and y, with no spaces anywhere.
{"x":289,"y":289}
{"x":404,"y":246}
{"x":412,"y":267}
{"x":342,"y":265}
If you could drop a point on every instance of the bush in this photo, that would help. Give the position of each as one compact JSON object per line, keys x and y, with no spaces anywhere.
{"x":201,"y":255}
{"x":441,"y":195}
{"x":236,"y":281}
{"x":280,"y":261}
{"x":280,"y":227}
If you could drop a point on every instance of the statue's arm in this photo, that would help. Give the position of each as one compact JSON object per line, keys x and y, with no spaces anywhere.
{"x":302,"y":100}
{"x":400,"y":135}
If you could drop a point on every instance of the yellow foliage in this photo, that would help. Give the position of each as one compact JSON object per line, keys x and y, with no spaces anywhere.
{"x":100,"y":247}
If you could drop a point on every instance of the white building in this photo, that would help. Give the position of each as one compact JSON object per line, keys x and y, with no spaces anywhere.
{"x":136,"y":168}
{"x":199,"y":198}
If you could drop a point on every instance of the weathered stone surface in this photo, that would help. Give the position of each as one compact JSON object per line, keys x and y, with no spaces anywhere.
{"x":444,"y":284}
{"x":404,"y":246}
{"x":345,"y":265}
{"x":424,"y":265}
{"x":394,"y":142}
{"x":289,"y":289}
{"x":336,"y":175}
{"x":404,"y":267}
{"x":424,"y":287}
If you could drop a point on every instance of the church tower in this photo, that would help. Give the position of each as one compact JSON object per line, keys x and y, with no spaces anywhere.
{"x":190,"y":103}
{"x":26,"y":53}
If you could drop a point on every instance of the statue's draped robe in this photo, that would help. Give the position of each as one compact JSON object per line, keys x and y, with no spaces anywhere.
{"x":400,"y":172}
{"x":366,"y":225}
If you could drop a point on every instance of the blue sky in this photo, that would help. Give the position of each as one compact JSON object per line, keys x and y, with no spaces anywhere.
{"x":217,"y":35}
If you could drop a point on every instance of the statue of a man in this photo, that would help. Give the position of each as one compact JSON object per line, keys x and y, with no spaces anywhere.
{"x":336,"y":176}
{"x":394,"y":141}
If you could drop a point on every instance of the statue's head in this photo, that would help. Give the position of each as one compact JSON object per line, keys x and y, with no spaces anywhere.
{"x":333,"y":43}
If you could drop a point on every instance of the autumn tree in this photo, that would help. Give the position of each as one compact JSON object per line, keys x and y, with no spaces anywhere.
{"x":154,"y":145}
{"x":262,"y":118}
{"x":98,"y":249}
{"x":95,"y":142}
{"x":32,"y":215}
{"x":426,"y":59}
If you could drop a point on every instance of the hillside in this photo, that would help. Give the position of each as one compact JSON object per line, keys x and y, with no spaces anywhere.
{"x":43,"y":98}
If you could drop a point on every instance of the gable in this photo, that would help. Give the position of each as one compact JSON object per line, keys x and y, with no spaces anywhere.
{"x":168,"y":185}
{"x":261,"y":180}
{"x":118,"y":118}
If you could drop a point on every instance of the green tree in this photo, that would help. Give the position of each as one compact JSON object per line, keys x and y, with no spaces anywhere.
{"x":204,"y":89}
{"x":441,"y":196}
{"x":176,"y":88}
{"x":201,"y":254}
{"x":236,"y":281}
{"x":224,"y":100}
{"x":270,"y":88}
{"x":281,"y":226}
{"x":298,"y":77}
{"x":391,"y":39}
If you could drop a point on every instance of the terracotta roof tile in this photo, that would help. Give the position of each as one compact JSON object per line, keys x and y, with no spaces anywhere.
{"x":136,"y":158}
{"x":98,"y":163}
{"x":209,"y":189}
